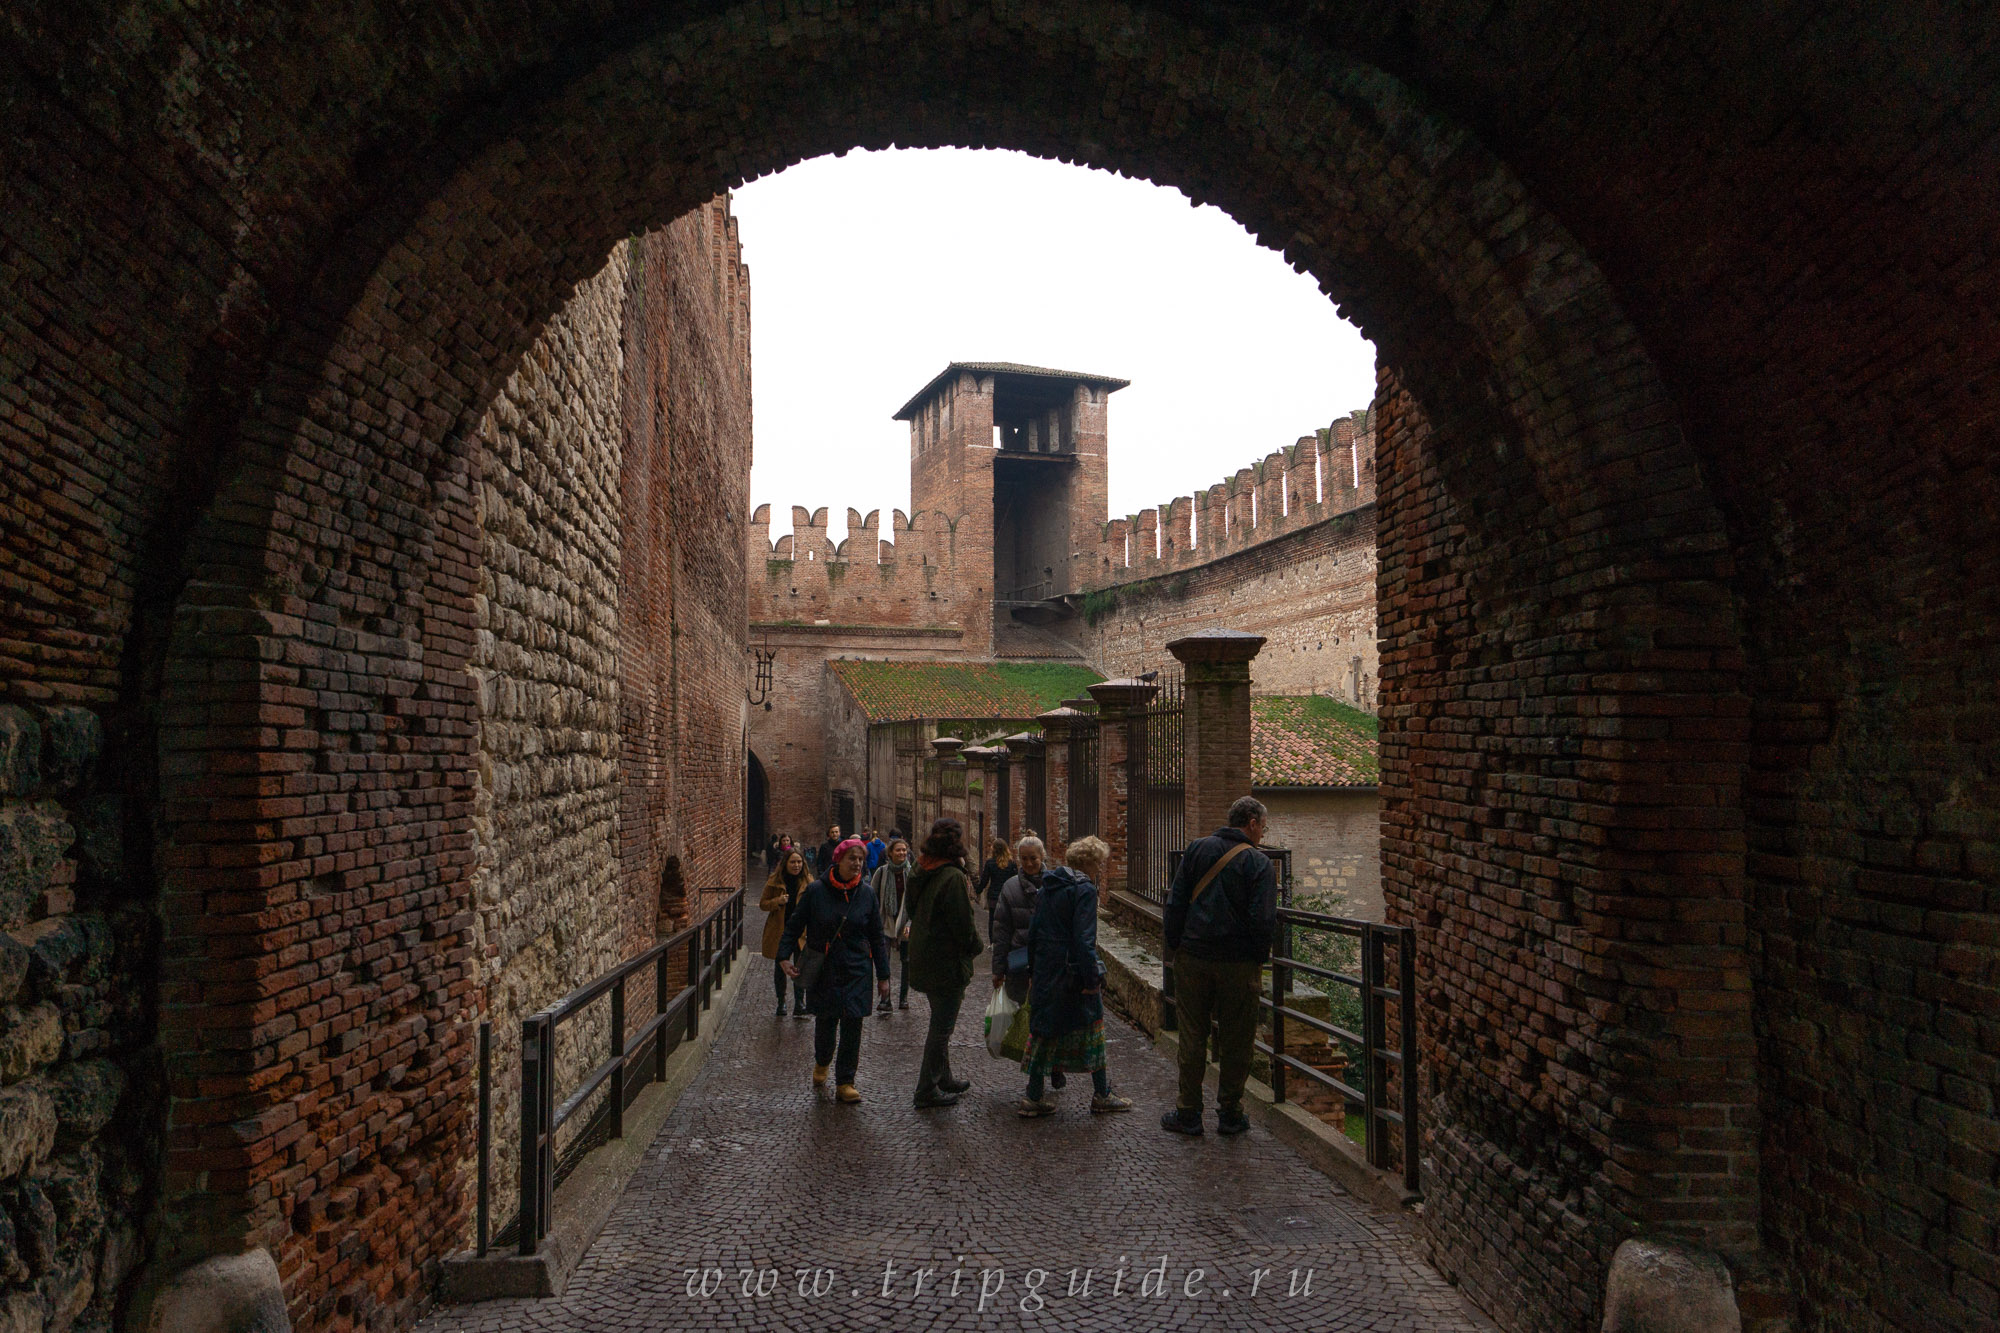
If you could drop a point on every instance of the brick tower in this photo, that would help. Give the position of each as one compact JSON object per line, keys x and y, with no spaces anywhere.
{"x":1013,"y":459}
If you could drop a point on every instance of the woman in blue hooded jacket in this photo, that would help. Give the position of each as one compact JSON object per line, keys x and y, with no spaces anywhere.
{"x":1066,"y":986}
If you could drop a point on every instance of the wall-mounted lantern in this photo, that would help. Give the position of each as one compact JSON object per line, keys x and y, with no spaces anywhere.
{"x":760,"y":691}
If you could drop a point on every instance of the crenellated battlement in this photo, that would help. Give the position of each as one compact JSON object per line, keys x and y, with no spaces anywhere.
{"x":1327,"y":473}
{"x":908,"y":579}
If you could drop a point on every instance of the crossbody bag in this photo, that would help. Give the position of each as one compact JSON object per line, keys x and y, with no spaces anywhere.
{"x":813,"y":964}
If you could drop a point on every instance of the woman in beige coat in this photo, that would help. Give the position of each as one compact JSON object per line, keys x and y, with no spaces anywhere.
{"x":781,"y":895}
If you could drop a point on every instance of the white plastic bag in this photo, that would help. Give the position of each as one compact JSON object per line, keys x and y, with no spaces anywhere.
{"x":999,"y":1017}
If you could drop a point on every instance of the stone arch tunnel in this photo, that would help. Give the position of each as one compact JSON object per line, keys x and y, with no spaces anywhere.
{"x":1688,"y":325}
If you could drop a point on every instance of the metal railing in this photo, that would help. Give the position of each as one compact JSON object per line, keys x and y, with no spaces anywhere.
{"x":1378,"y":995}
{"x":708,"y":948}
{"x":1379,"y":1056}
{"x":1163,"y":780}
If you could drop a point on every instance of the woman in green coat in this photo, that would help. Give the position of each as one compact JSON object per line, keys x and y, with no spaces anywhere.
{"x":943,"y":943}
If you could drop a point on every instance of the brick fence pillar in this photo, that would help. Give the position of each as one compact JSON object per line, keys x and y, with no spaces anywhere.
{"x":1215,"y":723}
{"x":944,"y":750}
{"x":1121,"y":755}
{"x":1055,"y":777}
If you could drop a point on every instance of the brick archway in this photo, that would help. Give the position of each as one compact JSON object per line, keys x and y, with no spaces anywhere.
{"x":261,"y":267}
{"x":1545,"y":639}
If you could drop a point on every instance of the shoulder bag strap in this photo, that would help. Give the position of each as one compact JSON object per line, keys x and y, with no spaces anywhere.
{"x":1216,"y":869}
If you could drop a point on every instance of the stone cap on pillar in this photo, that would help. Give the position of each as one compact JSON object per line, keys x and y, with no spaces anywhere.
{"x":946,"y":746}
{"x":1217,"y":654}
{"x":1115,"y":698}
{"x":1057,"y":722}
{"x":1020,"y":745}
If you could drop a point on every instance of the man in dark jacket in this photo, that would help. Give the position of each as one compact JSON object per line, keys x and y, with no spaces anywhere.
{"x":943,"y":943}
{"x":1222,"y":914}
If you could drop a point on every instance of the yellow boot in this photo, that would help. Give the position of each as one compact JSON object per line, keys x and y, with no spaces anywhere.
{"x":849,"y":1093}
{"x":819,"y":1075}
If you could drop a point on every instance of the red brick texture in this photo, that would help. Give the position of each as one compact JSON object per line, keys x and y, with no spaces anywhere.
{"x":1688,"y":583}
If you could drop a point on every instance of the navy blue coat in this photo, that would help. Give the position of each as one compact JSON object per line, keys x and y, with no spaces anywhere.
{"x":843,"y":982}
{"x":1062,"y":951}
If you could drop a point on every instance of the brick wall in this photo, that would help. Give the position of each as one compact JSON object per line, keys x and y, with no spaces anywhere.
{"x":686,"y":487}
{"x":1511,"y":811}
{"x":1310,"y":592}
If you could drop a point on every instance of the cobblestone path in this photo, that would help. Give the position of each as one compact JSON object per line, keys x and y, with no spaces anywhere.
{"x":762,"y":1206}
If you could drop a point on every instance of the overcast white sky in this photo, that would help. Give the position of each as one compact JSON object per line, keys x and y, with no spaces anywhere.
{"x":871,"y":271}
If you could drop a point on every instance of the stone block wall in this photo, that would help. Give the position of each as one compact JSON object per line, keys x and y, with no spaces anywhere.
{"x":73,"y":1033}
{"x":550,"y":908}
{"x":1336,"y":842}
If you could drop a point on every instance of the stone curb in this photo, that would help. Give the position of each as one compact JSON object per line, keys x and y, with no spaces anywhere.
{"x":586,"y":1200}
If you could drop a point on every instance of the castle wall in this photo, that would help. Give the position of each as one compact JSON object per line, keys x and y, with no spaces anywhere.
{"x":609,"y":669}
{"x":1305,"y":580}
{"x":549,"y":913}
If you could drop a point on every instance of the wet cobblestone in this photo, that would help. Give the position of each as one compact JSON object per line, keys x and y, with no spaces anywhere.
{"x":762,"y":1205}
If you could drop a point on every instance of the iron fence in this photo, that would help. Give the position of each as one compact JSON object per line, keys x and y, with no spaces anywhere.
{"x":1386,"y":1044}
{"x":1035,"y":792}
{"x":1160,"y":789}
{"x":709,"y":946}
{"x":1083,"y":738}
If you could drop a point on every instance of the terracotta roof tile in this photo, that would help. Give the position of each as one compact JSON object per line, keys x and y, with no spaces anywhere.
{"x":1311,"y":741}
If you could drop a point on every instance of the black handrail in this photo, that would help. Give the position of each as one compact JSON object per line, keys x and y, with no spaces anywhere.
{"x":712,"y":944}
{"x":1378,"y":1056}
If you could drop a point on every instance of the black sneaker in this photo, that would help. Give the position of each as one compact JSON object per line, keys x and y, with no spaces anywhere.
{"x":781,"y":1011}
{"x":1232,"y":1122}
{"x":882,"y":1009}
{"x":957,"y":1087}
{"x":926,"y":1100}
{"x":1177,"y":1121}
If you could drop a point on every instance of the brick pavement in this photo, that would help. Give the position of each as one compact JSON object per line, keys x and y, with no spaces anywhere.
{"x":754,"y":1179}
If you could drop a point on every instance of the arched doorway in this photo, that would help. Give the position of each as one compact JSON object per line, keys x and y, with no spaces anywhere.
{"x":1512,"y":389}
{"x":757,"y":805}
{"x":1565,"y":710}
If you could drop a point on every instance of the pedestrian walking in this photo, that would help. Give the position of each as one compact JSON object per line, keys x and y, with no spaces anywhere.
{"x":1013,"y":909}
{"x":890,"y":882}
{"x":1066,"y":989}
{"x":1222,"y":913}
{"x":826,"y":849}
{"x":781,"y":895}
{"x":841,"y":923}
{"x":943,"y":942}
{"x":999,"y":866}
{"x":878,"y":847}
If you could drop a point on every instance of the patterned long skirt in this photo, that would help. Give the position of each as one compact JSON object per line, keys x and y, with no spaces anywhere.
{"x":1077,"y":1051}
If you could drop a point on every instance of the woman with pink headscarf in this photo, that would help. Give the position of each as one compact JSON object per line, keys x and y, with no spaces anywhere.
{"x":842,"y":923}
